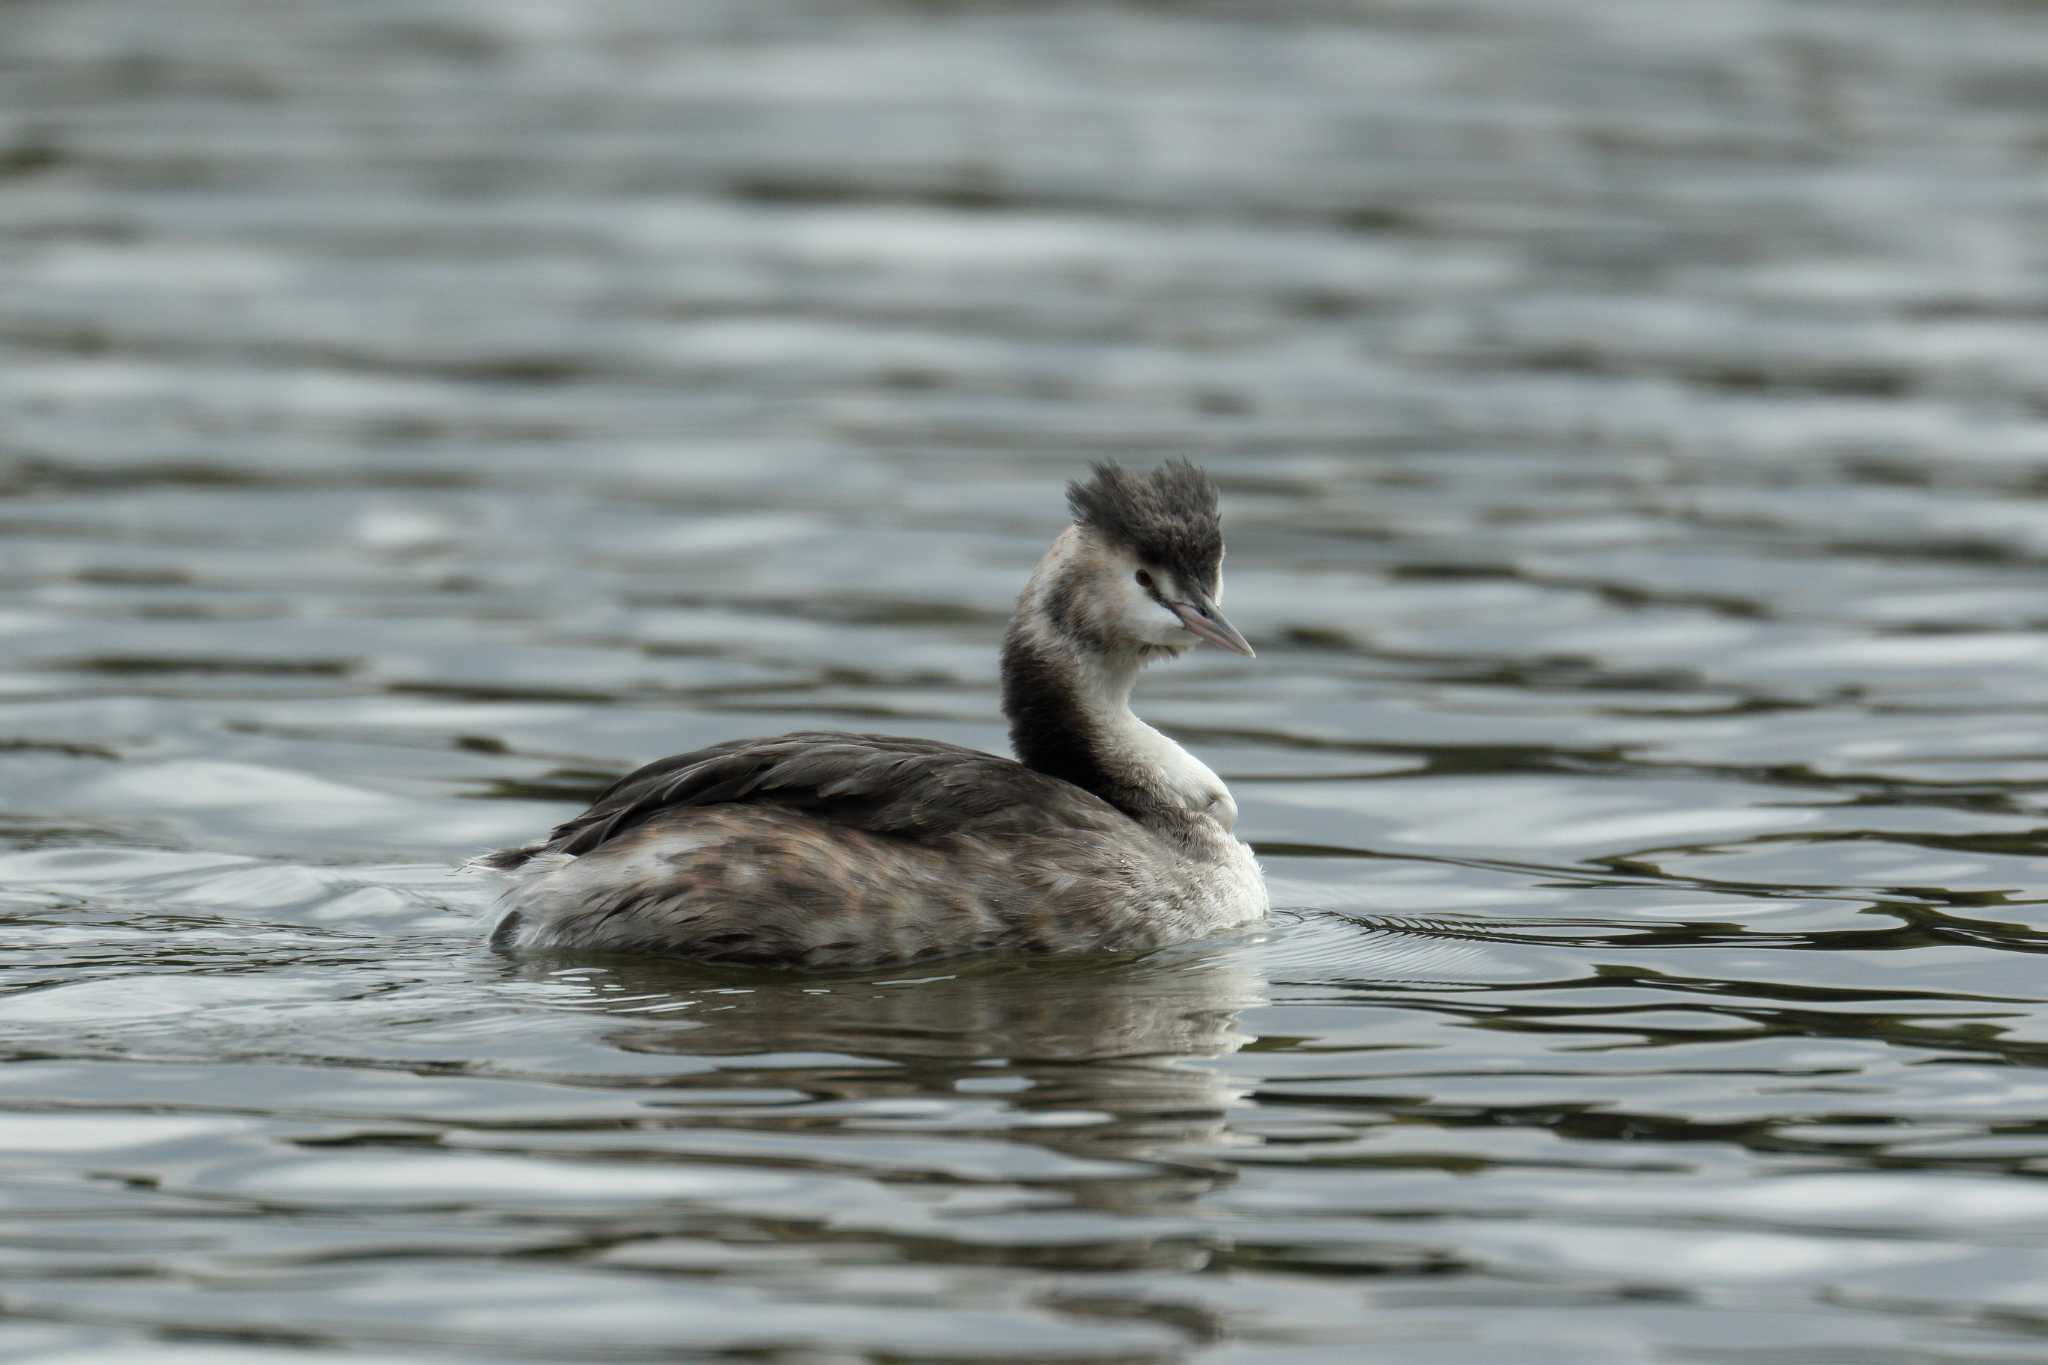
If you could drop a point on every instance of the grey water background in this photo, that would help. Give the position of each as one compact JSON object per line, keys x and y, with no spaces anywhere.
{"x":1633,"y":422}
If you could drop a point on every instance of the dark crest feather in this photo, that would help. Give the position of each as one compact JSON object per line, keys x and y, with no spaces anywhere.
{"x":1167,"y":517}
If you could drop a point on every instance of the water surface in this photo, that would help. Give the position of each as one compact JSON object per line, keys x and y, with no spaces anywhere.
{"x":1634,"y":434}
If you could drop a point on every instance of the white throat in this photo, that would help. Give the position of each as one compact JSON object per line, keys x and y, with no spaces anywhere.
{"x":1129,"y":744}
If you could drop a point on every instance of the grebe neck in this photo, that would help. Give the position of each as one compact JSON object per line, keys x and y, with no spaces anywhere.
{"x":1070,"y":717}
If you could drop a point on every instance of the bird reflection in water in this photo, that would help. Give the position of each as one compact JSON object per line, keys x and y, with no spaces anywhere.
{"x":1100,"y":1059}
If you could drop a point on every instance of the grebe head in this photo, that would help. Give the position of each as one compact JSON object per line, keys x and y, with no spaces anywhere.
{"x":1134,"y":579}
{"x":1140,"y":572}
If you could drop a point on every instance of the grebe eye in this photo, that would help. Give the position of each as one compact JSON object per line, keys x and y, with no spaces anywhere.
{"x":1144,"y":580}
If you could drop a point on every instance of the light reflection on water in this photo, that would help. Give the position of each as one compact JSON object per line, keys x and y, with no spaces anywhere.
{"x":1631,"y":428}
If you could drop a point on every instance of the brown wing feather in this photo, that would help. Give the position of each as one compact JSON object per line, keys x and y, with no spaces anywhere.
{"x":882,"y":784}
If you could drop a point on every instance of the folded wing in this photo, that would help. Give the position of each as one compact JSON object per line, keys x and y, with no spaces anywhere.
{"x":882,"y":784}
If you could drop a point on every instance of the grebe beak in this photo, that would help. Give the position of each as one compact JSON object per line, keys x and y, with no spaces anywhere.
{"x":1204,"y":618}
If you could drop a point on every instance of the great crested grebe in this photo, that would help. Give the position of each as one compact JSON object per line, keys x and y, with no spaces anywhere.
{"x":828,"y":850}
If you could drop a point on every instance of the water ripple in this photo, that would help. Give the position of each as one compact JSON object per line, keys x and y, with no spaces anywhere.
{"x":1632,"y":438}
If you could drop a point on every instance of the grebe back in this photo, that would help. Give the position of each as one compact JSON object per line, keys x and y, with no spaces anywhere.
{"x":828,"y":850}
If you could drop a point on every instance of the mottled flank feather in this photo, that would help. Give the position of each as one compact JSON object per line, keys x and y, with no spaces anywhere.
{"x":1167,"y":517}
{"x":829,"y":851}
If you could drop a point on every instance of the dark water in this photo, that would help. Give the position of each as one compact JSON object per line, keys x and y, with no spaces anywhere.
{"x":1633,"y":422}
